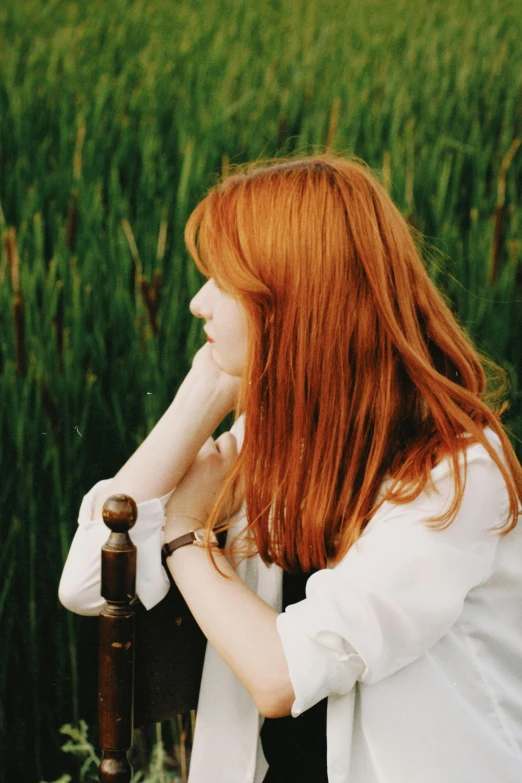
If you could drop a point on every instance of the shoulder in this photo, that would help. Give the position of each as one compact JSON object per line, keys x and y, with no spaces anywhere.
{"x":479,"y":472}
{"x":473,"y":453}
{"x":484,"y":501}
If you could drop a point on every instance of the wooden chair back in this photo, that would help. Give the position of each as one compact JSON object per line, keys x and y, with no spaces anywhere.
{"x":150,"y":662}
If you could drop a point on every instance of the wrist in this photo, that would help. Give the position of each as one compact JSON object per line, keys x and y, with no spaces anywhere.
{"x":199,"y":538}
{"x":180,"y":524}
{"x":214,"y":382}
{"x":206,"y":395}
{"x":190,"y":556}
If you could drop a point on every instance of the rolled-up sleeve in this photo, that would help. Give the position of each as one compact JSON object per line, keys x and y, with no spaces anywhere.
{"x":80,"y":583}
{"x":398,"y":590}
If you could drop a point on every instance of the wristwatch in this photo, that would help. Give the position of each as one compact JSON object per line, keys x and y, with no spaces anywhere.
{"x":199,"y":537}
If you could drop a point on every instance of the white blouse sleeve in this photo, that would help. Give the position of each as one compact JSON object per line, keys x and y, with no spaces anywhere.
{"x":80,"y":584}
{"x":397,"y":591}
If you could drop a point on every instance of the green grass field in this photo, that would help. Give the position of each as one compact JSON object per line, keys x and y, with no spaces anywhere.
{"x":114,"y":119}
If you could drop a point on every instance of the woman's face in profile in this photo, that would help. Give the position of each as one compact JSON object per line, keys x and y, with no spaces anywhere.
{"x":225,"y":326}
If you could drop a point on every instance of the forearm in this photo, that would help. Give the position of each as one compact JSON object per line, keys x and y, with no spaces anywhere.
{"x":238,"y":624}
{"x":170,"y":448}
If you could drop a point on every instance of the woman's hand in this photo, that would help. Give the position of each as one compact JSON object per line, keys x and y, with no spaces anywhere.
{"x":193,"y":499}
{"x":205,"y":368}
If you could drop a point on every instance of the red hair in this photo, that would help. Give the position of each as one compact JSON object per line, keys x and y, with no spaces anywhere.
{"x":356,"y":367}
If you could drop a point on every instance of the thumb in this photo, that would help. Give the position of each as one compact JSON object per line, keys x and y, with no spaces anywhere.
{"x":226,"y":445}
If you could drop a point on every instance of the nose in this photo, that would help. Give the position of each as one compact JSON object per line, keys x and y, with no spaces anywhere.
{"x":201,"y":304}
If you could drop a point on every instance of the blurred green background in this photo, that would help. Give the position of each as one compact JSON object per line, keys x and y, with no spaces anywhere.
{"x":115,"y":117}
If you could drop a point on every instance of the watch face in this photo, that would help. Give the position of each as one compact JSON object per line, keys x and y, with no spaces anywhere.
{"x":200,"y":537}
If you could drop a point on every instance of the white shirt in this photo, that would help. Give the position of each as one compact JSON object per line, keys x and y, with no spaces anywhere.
{"x":415,"y":637}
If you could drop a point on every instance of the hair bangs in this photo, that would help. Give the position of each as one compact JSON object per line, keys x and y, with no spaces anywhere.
{"x":213,"y":239}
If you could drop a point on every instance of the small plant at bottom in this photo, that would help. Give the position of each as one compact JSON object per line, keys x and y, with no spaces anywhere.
{"x":79,"y":745}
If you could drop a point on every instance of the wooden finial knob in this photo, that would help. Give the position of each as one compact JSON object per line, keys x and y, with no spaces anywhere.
{"x":119,"y":513}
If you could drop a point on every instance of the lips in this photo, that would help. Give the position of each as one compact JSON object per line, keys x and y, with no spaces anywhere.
{"x":209,"y":339}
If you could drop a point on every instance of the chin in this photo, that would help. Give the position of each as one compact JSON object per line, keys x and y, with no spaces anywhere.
{"x":231,"y":367}
{"x":221,"y":363}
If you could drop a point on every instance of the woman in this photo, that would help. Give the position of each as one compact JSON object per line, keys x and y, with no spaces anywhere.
{"x":367,"y":464}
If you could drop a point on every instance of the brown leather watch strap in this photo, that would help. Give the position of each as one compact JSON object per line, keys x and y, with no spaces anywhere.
{"x":194,"y":537}
{"x":187,"y":538}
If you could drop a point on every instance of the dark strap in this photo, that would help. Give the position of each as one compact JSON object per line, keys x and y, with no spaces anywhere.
{"x":168,"y":549}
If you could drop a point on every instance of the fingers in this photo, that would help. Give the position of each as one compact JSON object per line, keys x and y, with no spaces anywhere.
{"x":226,"y":445}
{"x":208,"y":447}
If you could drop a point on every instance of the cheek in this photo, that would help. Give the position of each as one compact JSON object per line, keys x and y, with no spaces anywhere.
{"x":235,"y":337}
{"x":234,"y":323}
{"x":241,"y":330}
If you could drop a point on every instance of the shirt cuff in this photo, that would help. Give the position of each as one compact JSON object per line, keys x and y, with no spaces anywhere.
{"x":319,"y":662}
{"x":150,"y":512}
{"x":152,"y":583}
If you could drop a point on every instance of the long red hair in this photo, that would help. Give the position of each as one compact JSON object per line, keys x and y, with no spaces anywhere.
{"x":357,"y":370}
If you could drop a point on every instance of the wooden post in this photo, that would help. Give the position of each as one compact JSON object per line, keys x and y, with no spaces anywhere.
{"x":116,"y":651}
